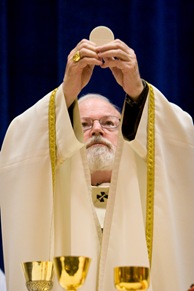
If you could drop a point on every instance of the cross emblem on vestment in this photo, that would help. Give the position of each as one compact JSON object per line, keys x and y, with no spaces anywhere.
{"x":102,"y":196}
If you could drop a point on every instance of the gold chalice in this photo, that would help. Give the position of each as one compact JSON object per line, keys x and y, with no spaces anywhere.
{"x":71,"y":271}
{"x":38,"y":275}
{"x":131,"y":278}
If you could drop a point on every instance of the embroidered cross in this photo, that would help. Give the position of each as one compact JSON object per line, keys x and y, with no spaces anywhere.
{"x":102,"y":196}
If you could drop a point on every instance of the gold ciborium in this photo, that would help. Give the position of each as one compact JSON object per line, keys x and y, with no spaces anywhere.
{"x":131,"y":278}
{"x":38,"y":275}
{"x":71,"y":271}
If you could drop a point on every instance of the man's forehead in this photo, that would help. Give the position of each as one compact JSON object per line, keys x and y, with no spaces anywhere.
{"x":97,"y":105}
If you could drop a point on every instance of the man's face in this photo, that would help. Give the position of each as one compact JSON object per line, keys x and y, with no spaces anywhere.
{"x":95,"y":109}
{"x":100,"y":142}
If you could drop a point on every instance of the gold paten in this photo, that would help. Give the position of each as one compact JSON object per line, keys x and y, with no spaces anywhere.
{"x":38,"y":275}
{"x":131,"y":278}
{"x":71,"y":271}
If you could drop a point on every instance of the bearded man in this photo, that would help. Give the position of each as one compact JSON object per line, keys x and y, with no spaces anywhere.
{"x":70,"y":170}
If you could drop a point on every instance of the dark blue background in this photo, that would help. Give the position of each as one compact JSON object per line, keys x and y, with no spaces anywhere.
{"x":36,"y":37}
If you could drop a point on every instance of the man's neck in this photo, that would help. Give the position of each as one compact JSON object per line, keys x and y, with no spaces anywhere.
{"x":100,"y":177}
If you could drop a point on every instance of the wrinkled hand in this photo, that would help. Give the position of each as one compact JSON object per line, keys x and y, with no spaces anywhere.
{"x":116,"y":56}
{"x":123,"y":63}
{"x":78,"y":74}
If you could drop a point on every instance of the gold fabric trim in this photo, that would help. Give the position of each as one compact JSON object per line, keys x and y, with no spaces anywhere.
{"x":52,"y":134}
{"x":52,"y":149}
{"x":150,"y":172}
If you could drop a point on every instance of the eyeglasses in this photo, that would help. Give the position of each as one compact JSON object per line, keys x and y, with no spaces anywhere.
{"x":108,"y":122}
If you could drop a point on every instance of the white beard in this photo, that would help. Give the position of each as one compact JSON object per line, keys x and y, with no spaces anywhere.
{"x":101,"y":157}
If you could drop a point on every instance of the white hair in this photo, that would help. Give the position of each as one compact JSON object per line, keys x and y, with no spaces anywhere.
{"x":97,"y":96}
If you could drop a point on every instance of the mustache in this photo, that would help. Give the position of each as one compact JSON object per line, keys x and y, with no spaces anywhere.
{"x":98,"y":140}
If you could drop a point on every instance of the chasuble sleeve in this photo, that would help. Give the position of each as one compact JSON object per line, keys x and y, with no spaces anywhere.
{"x":28,"y":134}
{"x":170,"y":122}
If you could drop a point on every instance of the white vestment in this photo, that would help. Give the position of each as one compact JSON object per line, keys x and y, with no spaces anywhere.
{"x":38,"y":225}
{"x":2,"y":281}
